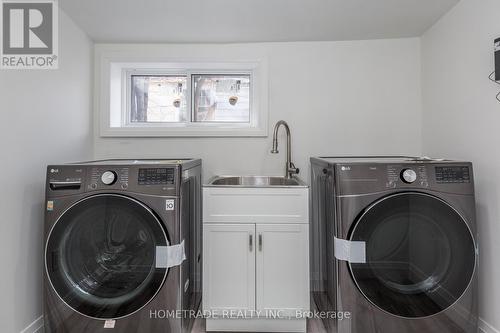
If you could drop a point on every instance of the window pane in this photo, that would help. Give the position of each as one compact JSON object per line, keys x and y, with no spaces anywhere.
{"x":221,"y":98}
{"x":158,"y":99}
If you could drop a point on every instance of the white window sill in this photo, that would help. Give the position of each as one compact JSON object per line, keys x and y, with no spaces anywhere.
{"x":182,"y":132}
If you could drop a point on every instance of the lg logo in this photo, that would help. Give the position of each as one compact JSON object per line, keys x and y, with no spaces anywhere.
{"x":29,"y":34}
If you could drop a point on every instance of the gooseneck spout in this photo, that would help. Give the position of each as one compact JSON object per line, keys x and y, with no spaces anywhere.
{"x":290,"y":168}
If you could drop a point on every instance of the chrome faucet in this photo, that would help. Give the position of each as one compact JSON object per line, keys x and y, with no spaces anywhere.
{"x":290,"y":168}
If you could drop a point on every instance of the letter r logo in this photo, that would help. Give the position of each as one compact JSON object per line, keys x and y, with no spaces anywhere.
{"x":27,"y":27}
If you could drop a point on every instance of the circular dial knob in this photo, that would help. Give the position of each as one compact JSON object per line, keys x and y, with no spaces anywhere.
{"x":409,"y":176}
{"x":108,"y":177}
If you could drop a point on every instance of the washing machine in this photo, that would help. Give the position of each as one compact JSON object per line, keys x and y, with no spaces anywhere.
{"x":122,"y":246}
{"x":394,"y":244}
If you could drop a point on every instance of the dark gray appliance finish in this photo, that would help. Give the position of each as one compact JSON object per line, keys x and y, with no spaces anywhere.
{"x":497,"y":59}
{"x":416,"y":217}
{"x":103,"y":222}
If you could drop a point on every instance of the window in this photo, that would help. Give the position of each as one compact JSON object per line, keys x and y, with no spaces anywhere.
{"x":215,"y":98}
{"x":181,"y":98}
{"x":221,"y":98}
{"x":157,"y":99}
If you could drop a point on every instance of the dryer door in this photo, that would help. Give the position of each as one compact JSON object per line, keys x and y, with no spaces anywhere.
{"x":100,"y":256}
{"x":420,"y":255}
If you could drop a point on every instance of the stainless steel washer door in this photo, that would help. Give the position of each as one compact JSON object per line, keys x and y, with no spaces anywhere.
{"x":420,"y":255}
{"x":100,"y":256}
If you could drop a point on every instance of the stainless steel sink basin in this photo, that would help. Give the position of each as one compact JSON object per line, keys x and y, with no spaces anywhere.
{"x":256,"y":181}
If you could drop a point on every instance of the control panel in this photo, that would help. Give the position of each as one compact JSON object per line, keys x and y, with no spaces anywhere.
{"x":156,"y":176}
{"x":145,"y":178}
{"x":109,"y":178}
{"x":119,"y":177}
{"x":453,"y":174}
{"x":410,"y":175}
{"x":361,"y":178}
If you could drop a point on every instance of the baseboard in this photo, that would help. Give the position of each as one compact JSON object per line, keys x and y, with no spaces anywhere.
{"x":485,"y":327}
{"x":35,"y":327}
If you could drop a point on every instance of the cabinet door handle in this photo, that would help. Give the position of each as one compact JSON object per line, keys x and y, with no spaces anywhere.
{"x":250,"y":242}
{"x":260,"y":242}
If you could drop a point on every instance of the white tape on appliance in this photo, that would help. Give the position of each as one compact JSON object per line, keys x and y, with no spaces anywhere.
{"x":170,"y":256}
{"x":350,"y":251}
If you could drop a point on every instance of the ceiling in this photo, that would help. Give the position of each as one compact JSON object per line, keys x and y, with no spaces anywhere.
{"x":226,"y":21}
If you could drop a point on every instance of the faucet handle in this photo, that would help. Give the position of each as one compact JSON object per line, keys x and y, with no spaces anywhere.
{"x":293,"y":170}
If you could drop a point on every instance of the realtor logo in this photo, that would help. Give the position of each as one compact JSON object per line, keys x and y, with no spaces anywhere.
{"x":29,"y":34}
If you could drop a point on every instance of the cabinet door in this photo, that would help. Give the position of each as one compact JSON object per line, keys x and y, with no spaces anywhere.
{"x":229,"y":267}
{"x":283,"y":267}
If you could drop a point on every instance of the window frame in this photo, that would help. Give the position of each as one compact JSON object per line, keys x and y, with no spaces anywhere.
{"x":113,"y":99}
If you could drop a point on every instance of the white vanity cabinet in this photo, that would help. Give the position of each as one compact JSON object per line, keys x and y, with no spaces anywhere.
{"x":256,"y":258}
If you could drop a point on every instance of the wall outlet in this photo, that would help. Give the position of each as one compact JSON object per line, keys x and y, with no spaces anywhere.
{"x":497,"y":59}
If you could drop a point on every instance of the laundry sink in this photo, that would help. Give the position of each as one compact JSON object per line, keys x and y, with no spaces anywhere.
{"x":256,"y":181}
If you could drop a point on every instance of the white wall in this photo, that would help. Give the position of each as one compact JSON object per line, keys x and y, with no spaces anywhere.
{"x":360,"y":97}
{"x":461,"y":119}
{"x":46,"y":118}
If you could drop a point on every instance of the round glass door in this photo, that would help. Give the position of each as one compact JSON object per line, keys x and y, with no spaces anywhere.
{"x":420,"y":255}
{"x":100,"y":256}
